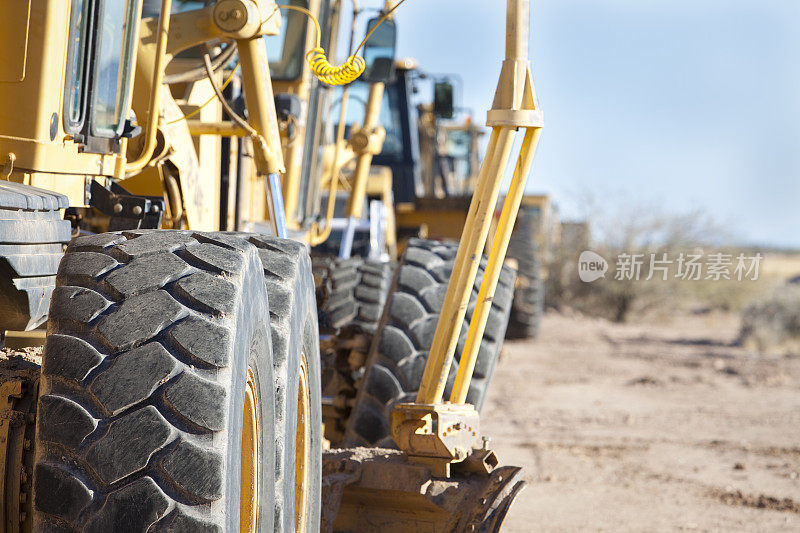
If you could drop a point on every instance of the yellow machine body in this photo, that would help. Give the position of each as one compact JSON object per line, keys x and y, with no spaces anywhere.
{"x":34,"y":147}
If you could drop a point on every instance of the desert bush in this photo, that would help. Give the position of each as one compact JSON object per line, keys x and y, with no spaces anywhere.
{"x":624,"y":226}
{"x":771,"y":324}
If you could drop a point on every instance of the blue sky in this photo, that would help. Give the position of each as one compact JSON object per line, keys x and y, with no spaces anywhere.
{"x":686,"y":104}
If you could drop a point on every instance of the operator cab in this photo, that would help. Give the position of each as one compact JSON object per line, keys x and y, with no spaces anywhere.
{"x":430,"y":153}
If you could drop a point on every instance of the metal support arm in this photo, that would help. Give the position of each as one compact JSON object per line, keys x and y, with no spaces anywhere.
{"x":514,"y":107}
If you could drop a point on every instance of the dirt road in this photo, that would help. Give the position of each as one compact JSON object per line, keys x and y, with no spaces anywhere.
{"x":662,"y":427}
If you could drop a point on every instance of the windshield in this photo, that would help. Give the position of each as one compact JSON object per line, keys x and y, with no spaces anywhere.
{"x":286,"y":50}
{"x":117,"y":28}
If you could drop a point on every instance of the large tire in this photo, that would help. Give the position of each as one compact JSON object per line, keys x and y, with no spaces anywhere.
{"x":151,"y":339}
{"x":528,"y":306}
{"x":351,"y":294}
{"x":527,"y":310}
{"x":295,"y":343}
{"x":32,"y":240}
{"x":397,"y":358}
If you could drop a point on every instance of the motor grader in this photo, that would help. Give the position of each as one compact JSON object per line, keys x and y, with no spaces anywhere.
{"x":180,"y":385}
{"x":430,"y":157}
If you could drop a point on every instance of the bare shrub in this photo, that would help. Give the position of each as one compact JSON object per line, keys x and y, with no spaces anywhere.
{"x":622,"y":225}
{"x":772,"y":323}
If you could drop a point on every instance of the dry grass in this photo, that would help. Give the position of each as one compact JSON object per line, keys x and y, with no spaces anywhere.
{"x":781,"y":265}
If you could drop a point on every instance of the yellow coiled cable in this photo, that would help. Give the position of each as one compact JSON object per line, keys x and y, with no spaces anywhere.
{"x":348,"y":72}
{"x":318,"y":62}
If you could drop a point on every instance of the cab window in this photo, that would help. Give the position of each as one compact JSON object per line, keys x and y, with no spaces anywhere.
{"x":114,"y":63}
{"x":286,"y":51}
{"x":74,"y":95}
{"x":458,"y":147}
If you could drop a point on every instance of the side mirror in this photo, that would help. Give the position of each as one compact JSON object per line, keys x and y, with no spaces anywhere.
{"x":379,"y":51}
{"x":443,"y":99}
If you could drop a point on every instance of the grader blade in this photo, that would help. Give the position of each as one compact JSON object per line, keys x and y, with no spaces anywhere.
{"x":373,"y":489}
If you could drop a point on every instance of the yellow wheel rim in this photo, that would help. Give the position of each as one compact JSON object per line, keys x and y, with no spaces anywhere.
{"x":302,"y":449}
{"x":248,"y":505}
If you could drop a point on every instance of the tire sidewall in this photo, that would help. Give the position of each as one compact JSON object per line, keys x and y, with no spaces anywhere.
{"x":303,"y":339}
{"x":252,"y":350}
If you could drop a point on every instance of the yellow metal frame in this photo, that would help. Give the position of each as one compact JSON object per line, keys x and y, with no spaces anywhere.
{"x":494,"y":265}
{"x":368,"y":140}
{"x":153,"y":110}
{"x":244,"y":21}
{"x":365,"y":141}
{"x":292,"y":148}
{"x":514,"y":107}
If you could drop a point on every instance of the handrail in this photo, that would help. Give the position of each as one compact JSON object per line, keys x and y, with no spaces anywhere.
{"x":154,"y":109}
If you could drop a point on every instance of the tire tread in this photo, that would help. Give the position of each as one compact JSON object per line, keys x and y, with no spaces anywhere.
{"x":397,"y":359}
{"x":169,"y":334}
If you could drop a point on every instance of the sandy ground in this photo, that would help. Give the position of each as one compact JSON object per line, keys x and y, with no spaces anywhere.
{"x":662,"y":427}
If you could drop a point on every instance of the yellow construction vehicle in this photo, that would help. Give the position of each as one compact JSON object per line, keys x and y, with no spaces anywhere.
{"x":180,"y":386}
{"x":431,"y":158}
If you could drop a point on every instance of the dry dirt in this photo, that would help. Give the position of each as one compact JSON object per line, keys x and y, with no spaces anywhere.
{"x":650,"y":427}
